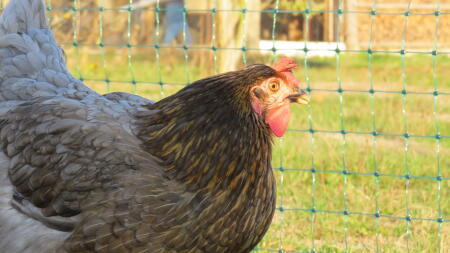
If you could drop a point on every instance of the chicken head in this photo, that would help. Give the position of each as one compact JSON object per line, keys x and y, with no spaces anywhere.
{"x":271,"y":98}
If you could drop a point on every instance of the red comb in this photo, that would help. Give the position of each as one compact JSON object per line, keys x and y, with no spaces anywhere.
{"x":284,"y":67}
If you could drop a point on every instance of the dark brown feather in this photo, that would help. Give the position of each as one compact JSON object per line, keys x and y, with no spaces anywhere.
{"x":210,"y":140}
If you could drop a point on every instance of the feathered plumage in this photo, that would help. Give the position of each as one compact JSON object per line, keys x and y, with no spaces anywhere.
{"x":82,"y":172}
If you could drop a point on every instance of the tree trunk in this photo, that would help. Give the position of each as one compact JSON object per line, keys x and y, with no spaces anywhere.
{"x":253,"y":23}
{"x":229,"y":35}
{"x":351,"y":26}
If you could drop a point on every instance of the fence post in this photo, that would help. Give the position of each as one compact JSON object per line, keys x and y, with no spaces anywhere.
{"x":229,"y":35}
{"x":253,"y":23}
{"x":351,"y":26}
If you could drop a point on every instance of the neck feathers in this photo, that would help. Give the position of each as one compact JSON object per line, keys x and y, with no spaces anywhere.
{"x":207,"y":135}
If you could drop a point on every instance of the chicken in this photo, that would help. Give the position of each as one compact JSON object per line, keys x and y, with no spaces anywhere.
{"x":82,"y":172}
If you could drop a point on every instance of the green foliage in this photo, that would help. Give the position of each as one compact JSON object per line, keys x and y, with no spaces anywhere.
{"x":295,"y":5}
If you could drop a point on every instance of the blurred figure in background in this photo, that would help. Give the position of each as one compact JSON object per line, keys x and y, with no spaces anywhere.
{"x":174,"y":22}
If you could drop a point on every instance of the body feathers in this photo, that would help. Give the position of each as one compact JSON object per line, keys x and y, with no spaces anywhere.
{"x":82,"y":172}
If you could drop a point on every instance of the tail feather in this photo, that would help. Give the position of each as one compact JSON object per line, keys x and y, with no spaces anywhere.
{"x":22,"y":15}
{"x":29,"y":55}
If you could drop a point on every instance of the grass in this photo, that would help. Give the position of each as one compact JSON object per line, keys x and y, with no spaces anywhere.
{"x":329,"y":152}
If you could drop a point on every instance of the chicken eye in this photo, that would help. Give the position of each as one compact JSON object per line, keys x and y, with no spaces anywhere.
{"x":274,"y":86}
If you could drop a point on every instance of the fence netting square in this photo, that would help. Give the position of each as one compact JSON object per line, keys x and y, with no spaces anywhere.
{"x":365,"y":167}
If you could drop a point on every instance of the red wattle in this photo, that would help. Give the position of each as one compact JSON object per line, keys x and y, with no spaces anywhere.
{"x":278,"y":119}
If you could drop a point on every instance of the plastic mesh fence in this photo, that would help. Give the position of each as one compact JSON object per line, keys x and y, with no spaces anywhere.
{"x":366,"y":166}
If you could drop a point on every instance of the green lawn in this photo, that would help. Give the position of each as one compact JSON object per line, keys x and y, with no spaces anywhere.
{"x":358,"y":113}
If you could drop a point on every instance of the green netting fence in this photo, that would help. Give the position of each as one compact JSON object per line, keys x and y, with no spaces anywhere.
{"x":366,"y":166}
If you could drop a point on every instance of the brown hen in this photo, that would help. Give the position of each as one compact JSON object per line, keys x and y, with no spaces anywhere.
{"x":81,"y":172}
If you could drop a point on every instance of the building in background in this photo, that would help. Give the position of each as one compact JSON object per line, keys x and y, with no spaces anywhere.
{"x":355,"y":27}
{"x":248,"y":26}
{"x":413,"y":22}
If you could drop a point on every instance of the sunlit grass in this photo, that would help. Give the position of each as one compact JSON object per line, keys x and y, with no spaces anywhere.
{"x":332,"y":135}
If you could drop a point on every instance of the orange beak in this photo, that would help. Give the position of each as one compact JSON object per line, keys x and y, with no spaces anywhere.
{"x":300,"y":98}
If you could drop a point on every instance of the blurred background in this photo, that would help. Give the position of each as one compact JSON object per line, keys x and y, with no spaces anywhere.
{"x":366,"y":166}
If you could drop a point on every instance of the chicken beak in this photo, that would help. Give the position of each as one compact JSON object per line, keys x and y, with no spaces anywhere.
{"x":299,"y":98}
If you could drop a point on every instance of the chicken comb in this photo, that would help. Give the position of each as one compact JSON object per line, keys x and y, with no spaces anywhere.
{"x":284,"y":67}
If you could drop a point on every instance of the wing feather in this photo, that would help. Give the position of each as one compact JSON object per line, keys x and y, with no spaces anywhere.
{"x":58,"y":156}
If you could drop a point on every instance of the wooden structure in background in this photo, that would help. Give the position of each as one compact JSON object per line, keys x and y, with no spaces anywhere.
{"x":351,"y":26}
{"x":229,"y":28}
{"x":385,"y":30}
{"x":203,"y":20}
{"x":388,"y":26}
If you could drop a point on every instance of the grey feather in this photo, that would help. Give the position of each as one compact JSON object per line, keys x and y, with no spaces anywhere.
{"x":55,"y":135}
